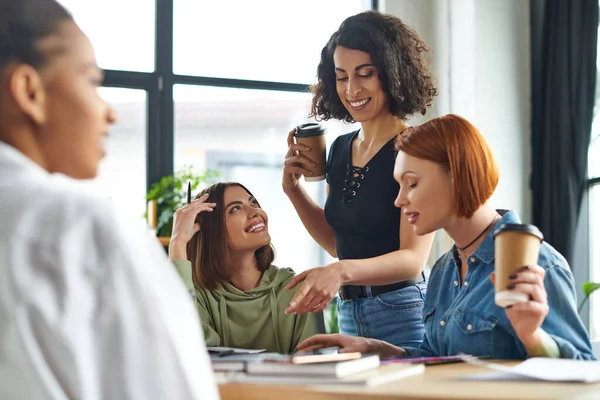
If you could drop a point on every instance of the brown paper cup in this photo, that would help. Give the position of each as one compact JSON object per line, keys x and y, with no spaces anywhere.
{"x":515,"y":245}
{"x":313,"y":136}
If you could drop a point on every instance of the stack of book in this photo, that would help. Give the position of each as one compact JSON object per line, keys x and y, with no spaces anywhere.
{"x":315,"y":368}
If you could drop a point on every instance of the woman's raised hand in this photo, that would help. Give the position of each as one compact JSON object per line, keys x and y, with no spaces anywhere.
{"x":185,"y":226}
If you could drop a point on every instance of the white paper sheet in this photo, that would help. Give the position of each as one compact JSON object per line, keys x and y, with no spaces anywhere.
{"x":540,"y":369}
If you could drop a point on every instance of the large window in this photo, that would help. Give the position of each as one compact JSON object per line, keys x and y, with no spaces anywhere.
{"x":266,"y":40}
{"x":594,"y":209}
{"x":122,"y":174}
{"x":122,"y":31}
{"x":594,"y":237}
{"x":213,"y":85}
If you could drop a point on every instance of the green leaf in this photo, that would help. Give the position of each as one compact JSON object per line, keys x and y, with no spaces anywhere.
{"x":590,"y":287}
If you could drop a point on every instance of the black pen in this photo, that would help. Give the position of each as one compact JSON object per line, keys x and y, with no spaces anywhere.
{"x":189,"y":197}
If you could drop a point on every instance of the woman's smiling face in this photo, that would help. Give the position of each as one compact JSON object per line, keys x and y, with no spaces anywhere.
{"x":358,"y":85}
{"x":246,"y":223}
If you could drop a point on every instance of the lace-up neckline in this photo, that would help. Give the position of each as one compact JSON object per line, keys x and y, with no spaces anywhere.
{"x":355,"y":175}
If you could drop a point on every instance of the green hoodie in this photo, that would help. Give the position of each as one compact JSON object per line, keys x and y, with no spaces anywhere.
{"x":253,"y":319}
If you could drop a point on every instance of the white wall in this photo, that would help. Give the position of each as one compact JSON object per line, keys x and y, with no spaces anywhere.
{"x":481,"y":59}
{"x":503,"y":96}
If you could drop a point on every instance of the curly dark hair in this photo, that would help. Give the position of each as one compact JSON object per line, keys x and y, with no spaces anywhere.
{"x":397,"y":52}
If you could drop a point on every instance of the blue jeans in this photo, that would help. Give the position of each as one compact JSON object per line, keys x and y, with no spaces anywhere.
{"x":395,"y":317}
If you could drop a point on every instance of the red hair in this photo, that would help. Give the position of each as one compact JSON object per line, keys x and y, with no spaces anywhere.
{"x":456,"y":144}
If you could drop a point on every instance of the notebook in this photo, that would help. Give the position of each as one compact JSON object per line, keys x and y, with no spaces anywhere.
{"x":313,"y":357}
{"x":378,"y":376}
{"x":336,"y":369}
{"x":235,"y":362}
{"x":232,"y":350}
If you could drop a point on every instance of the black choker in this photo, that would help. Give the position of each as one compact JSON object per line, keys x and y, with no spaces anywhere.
{"x":478,"y":236}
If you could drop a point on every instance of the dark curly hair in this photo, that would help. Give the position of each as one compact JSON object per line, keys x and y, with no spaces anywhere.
{"x":397,"y":52}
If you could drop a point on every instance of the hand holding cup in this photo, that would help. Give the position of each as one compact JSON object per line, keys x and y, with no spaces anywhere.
{"x":515,"y":246}
{"x":519,"y":281}
{"x":305,"y":155}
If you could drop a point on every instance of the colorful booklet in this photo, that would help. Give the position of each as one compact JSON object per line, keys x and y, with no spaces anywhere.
{"x":426,"y":360}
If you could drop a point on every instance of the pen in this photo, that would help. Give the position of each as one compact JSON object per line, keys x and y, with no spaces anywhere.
{"x":189,"y":194}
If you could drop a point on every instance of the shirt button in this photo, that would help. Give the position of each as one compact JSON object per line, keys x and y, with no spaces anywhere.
{"x":455,"y":283}
{"x":472,"y":259}
{"x":442,"y":323}
{"x":466,"y":283}
{"x":469,"y":327}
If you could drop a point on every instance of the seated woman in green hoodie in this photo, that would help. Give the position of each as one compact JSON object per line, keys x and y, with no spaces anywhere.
{"x":240,"y":295}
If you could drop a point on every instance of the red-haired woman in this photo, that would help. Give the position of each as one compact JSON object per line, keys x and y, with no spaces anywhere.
{"x":447,"y":173}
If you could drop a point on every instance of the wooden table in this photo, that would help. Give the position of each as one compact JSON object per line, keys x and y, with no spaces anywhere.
{"x":438,"y":382}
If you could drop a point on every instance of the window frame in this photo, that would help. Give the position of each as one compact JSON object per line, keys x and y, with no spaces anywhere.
{"x":159,"y":85}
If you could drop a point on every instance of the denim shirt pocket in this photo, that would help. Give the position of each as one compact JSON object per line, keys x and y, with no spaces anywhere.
{"x":476,"y":335}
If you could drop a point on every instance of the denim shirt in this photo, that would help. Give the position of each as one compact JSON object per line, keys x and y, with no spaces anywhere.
{"x":464,"y":318}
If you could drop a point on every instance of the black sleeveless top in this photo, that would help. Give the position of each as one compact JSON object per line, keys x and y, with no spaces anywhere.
{"x":360,"y":206}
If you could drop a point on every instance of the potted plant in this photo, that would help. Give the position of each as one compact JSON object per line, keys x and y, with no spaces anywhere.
{"x":588,"y":289}
{"x":170,"y":193}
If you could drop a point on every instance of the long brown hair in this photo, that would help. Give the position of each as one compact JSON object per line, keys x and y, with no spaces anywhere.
{"x":457,"y":145}
{"x":208,"y":250}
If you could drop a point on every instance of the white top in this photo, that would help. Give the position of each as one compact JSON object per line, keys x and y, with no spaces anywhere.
{"x":90,"y":307}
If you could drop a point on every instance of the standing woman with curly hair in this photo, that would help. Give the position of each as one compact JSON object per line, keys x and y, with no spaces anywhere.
{"x":372,"y":71}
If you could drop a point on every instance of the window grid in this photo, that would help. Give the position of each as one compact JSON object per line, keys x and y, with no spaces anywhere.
{"x":159,"y":86}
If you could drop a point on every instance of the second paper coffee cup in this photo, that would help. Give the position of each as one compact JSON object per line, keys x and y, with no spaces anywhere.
{"x":313,"y":136}
{"x":515,"y":246}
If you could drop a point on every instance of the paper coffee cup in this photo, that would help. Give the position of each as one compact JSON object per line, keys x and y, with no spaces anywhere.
{"x":313,"y":136}
{"x":515,"y":246}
